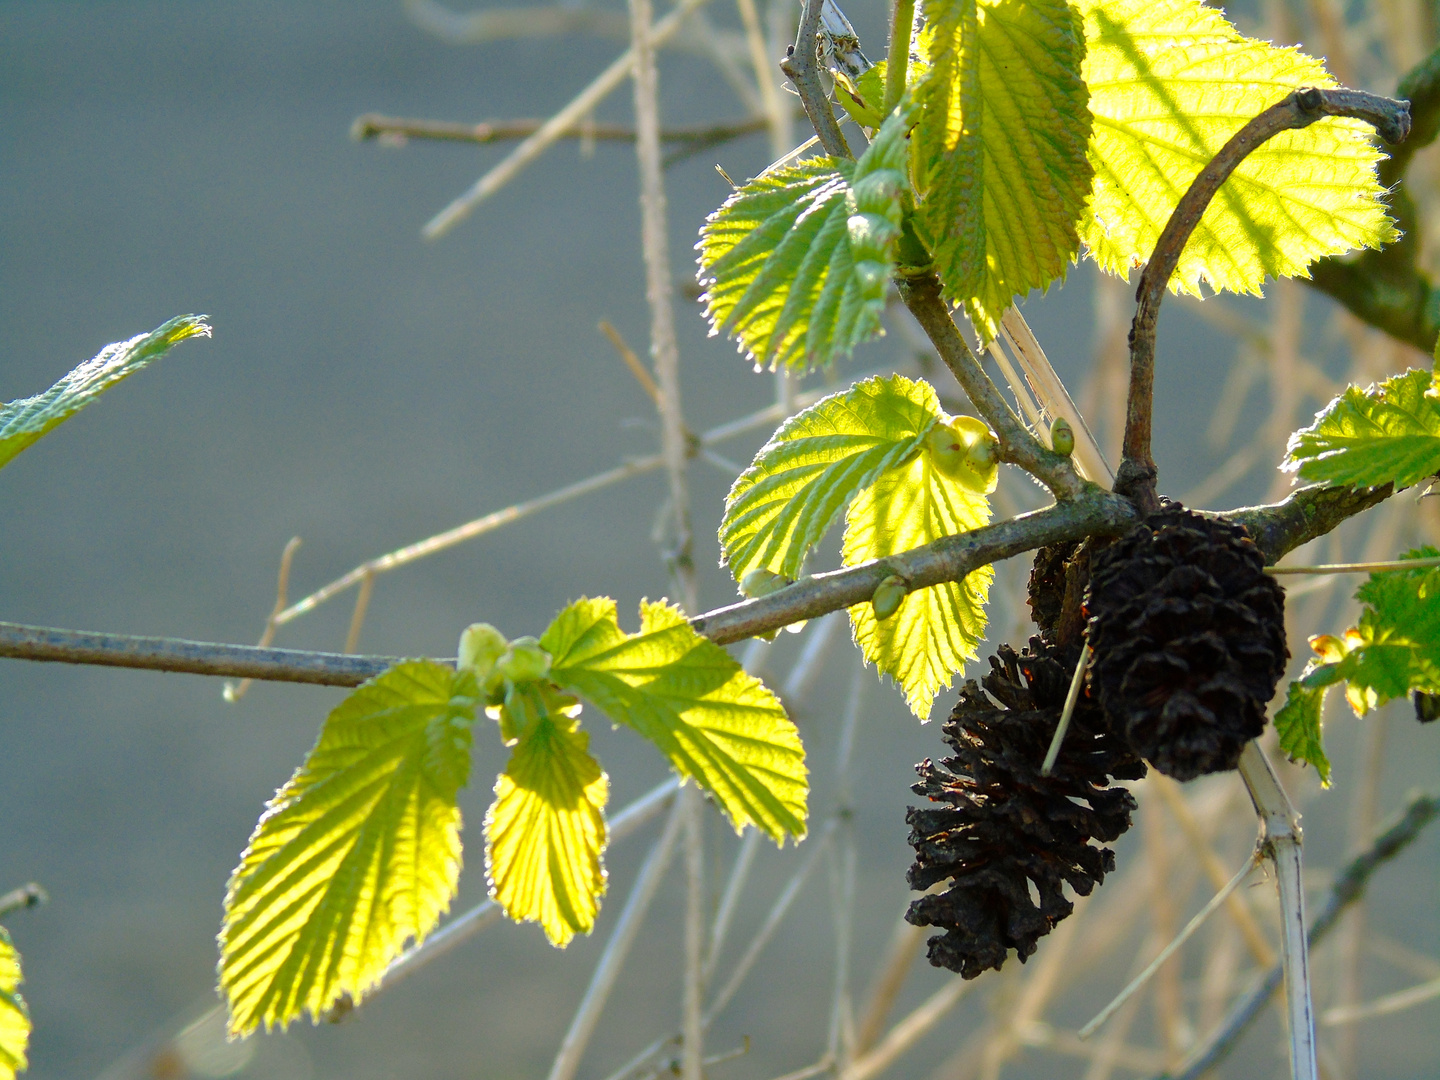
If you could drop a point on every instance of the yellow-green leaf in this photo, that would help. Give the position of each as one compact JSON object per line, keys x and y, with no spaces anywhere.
{"x":545,"y":833}
{"x":1002,"y":138}
{"x":937,"y":629}
{"x":356,"y":855}
{"x":25,"y":421}
{"x":1301,"y":728}
{"x":1170,"y":81}
{"x":14,"y":1017}
{"x":714,"y":722}
{"x":800,"y":481}
{"x":796,"y":263}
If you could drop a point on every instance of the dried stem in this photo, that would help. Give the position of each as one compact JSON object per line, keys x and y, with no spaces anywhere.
{"x":375,"y":126}
{"x":565,"y":120}
{"x":235,"y":691}
{"x":800,"y":67}
{"x":1136,"y":477}
{"x":1348,"y":887}
{"x":26,"y":896}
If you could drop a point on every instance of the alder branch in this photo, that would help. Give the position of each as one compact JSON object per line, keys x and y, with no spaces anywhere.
{"x":800,"y":68}
{"x":1137,"y":474}
{"x":1278,"y":529}
{"x":1349,"y":886}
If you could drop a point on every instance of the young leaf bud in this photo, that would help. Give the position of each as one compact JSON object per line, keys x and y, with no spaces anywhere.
{"x":963,"y":449}
{"x":524,"y":661}
{"x":761,"y":582}
{"x":480,"y":646}
{"x":888,"y":597}
{"x":1062,"y":436}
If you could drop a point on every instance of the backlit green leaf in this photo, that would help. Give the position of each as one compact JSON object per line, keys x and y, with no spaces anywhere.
{"x":795,"y":264}
{"x":807,"y":473}
{"x":1002,"y":137}
{"x":356,"y":855}
{"x":1380,"y":435}
{"x":546,"y":831}
{"x":1301,"y":727}
{"x":936,"y":629}
{"x":1170,"y":81}
{"x":712,"y":720}
{"x":25,"y":421}
{"x":14,"y":1017}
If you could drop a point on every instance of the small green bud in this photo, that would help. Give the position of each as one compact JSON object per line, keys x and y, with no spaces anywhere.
{"x":524,"y":661}
{"x":1062,"y":436}
{"x":480,"y":646}
{"x":888,"y":597}
{"x":761,"y":582}
{"x":963,"y":449}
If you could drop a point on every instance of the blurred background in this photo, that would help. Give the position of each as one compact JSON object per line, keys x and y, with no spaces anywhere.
{"x":365,"y":389}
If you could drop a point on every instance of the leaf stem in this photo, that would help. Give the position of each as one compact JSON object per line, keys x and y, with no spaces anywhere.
{"x":1300,"y":109}
{"x":800,"y":68}
{"x":897,"y":63}
{"x":1356,"y":567}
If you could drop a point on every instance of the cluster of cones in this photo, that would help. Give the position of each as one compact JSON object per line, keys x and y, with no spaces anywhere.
{"x":1188,"y":637}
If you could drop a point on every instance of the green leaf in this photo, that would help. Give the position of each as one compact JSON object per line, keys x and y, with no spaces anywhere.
{"x":1170,"y":81}
{"x":25,"y":421}
{"x":357,"y":854}
{"x":800,"y":481}
{"x":14,"y":1016}
{"x":1380,"y":435}
{"x":796,"y":263}
{"x":1301,"y":727}
{"x":937,"y":629}
{"x":545,"y":833}
{"x":713,"y":721}
{"x":1002,"y":138}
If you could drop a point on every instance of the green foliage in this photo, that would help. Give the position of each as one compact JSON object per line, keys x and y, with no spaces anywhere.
{"x":357,"y":854}
{"x":1380,"y":435}
{"x":1392,"y":650}
{"x":1170,"y":81}
{"x":1002,"y":138}
{"x":795,"y":264}
{"x":937,"y":629}
{"x":546,"y":832}
{"x":811,"y":468}
{"x":27,"y":420}
{"x":713,"y":721}
{"x":1300,"y":725}
{"x":14,"y":1017}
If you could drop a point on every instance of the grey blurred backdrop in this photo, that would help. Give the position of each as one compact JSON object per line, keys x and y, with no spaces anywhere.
{"x":364,"y":389}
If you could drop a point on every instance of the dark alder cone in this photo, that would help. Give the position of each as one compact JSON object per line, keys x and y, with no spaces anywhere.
{"x":1427,"y":707}
{"x":1189,"y":640}
{"x":994,"y":825}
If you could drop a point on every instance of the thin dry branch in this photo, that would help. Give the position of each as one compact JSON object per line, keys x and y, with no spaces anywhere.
{"x":801,"y":68}
{"x":1136,"y":476}
{"x":1349,"y":886}
{"x":395,"y":128}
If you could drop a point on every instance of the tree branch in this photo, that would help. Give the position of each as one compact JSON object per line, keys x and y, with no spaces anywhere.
{"x":922,"y":295}
{"x":375,"y":126}
{"x":1306,"y":514}
{"x":1300,"y":109}
{"x":1349,"y":886}
{"x":800,"y":68}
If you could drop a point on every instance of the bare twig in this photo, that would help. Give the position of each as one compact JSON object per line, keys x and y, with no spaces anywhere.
{"x":907,"y":1032}
{"x":235,"y":691}
{"x":801,"y":69}
{"x":26,"y":896}
{"x":777,"y":114}
{"x":565,"y":120}
{"x":1077,"y":681}
{"x":616,"y":949}
{"x":1349,"y":886}
{"x":1356,"y":567}
{"x":375,"y":126}
{"x":1136,"y":477}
